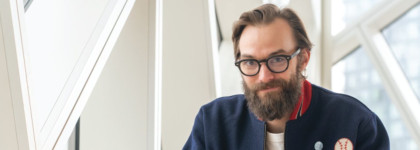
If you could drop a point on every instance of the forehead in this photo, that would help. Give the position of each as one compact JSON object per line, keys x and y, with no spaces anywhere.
{"x":261,"y":41}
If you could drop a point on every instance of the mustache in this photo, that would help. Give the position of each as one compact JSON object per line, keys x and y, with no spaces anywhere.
{"x":274,"y":83}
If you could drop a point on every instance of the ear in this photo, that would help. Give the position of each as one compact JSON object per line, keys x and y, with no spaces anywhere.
{"x":306,"y":55}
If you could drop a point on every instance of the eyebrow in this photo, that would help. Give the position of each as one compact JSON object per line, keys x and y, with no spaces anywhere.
{"x":271,"y":54}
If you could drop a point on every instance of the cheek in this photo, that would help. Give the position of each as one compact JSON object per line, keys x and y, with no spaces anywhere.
{"x":291,"y":70}
{"x":249,"y":80}
{"x":288,"y":74}
{"x":293,"y":66}
{"x":253,"y":80}
{"x":285,"y":75}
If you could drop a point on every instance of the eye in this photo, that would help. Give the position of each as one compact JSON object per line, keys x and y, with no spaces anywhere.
{"x":276,"y":59}
{"x":249,"y":63}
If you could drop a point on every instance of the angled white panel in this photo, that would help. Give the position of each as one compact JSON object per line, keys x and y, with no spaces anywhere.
{"x":123,"y":100}
{"x":105,"y":41}
{"x":57,"y":51}
{"x":56,"y":35}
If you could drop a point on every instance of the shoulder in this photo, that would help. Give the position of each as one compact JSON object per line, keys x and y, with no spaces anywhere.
{"x":340,"y":111}
{"x":340,"y":103}
{"x":231,"y":110}
{"x":228,"y":104}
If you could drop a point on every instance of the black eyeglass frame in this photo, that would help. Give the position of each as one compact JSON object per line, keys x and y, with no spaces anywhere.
{"x":288,"y":58}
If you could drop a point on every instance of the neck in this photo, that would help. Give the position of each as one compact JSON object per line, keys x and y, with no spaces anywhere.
{"x":278,"y":125}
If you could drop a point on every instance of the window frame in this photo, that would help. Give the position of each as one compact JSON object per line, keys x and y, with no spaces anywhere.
{"x":67,"y":110}
{"x":366,"y":31}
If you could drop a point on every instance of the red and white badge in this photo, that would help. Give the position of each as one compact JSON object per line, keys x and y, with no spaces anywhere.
{"x":343,"y":144}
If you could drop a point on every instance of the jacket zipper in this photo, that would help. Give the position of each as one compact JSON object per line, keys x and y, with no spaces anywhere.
{"x":285,"y":137}
{"x":265,"y":135}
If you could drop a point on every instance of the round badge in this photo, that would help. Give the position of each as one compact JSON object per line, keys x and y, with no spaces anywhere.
{"x":343,"y":144}
{"x":318,"y":145}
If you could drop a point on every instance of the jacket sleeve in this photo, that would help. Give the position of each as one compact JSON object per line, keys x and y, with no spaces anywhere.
{"x":372,"y":135}
{"x":196,"y":139}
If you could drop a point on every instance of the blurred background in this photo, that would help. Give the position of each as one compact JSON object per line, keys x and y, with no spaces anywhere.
{"x":172,"y":57}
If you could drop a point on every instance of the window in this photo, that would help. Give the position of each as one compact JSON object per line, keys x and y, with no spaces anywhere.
{"x":403,"y":37}
{"x":356,"y":76}
{"x":27,"y":3}
{"x":346,"y":11}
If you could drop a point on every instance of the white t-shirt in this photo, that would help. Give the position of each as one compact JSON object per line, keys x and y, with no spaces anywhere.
{"x":275,"y":141}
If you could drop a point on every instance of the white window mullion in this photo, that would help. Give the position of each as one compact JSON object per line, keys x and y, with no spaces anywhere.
{"x":327,"y":46}
{"x":395,"y":82}
{"x":13,"y":31}
{"x":345,"y":45}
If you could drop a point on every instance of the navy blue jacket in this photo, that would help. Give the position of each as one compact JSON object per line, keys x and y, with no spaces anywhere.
{"x":331,"y":119}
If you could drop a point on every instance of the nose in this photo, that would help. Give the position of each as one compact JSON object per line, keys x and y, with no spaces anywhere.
{"x":265,"y":75}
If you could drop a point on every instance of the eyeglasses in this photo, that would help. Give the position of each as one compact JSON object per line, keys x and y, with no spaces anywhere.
{"x":276,"y":64}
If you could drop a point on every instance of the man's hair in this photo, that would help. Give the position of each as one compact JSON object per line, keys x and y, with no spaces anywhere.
{"x":265,"y":15}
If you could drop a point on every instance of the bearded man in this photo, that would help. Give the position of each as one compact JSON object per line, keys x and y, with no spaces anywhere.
{"x":280,"y":109}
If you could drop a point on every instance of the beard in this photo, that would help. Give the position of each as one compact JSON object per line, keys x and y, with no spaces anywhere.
{"x":274,"y":104}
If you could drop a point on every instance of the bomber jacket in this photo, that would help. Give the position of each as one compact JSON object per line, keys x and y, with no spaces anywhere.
{"x":321,"y":120}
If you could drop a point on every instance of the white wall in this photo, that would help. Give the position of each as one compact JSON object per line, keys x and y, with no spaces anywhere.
{"x":116,"y":113}
{"x":7,"y":122}
{"x":231,"y":76}
{"x":188,"y":79}
{"x":309,"y":12}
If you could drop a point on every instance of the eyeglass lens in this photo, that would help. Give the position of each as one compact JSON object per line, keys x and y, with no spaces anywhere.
{"x":275,"y":64}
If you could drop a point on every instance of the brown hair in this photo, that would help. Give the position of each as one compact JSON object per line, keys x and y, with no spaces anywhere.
{"x":264,"y":15}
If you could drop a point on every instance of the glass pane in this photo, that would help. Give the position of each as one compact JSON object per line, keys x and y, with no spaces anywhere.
{"x":27,"y":3}
{"x":57,"y":34}
{"x":356,"y":76}
{"x":403,"y":37}
{"x":345,"y":11}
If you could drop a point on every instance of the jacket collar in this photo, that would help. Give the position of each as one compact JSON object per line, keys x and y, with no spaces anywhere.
{"x":304,"y":101}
